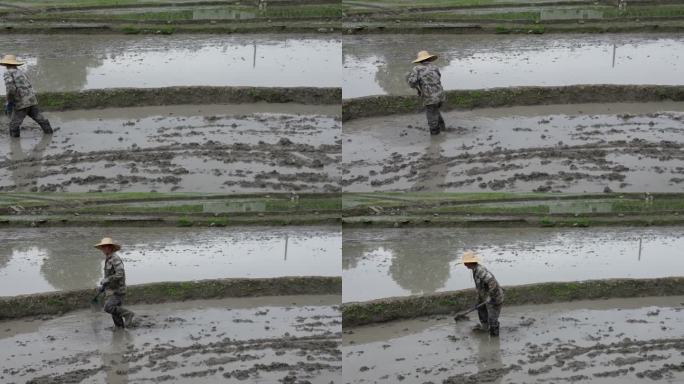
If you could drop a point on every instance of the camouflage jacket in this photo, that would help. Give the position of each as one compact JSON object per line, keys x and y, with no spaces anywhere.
{"x":426,"y":79}
{"x":486,"y":285}
{"x":114,"y":276}
{"x":19,"y":89}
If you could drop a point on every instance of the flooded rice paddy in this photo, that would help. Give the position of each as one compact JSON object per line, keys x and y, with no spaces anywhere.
{"x":381,"y":263}
{"x":630,"y":147}
{"x":232,"y":148}
{"x":632,"y":340}
{"x":54,"y":259}
{"x":259,"y":340}
{"x":378,"y":64}
{"x":77,"y":62}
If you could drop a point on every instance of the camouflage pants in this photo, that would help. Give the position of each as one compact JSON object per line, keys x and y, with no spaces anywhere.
{"x":18,"y":116}
{"x":113,"y":306}
{"x":434,"y":118}
{"x":489,"y":316}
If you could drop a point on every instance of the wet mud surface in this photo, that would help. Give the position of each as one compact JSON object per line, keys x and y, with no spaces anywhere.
{"x":56,"y":259}
{"x":377,"y":64}
{"x":626,"y":147}
{"x":238,"y":148}
{"x":612,"y":341}
{"x":380,"y":263}
{"x":293,"y":339}
{"x":77,"y":62}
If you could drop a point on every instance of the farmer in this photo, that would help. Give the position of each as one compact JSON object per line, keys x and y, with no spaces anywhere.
{"x":114,"y":284}
{"x":488,"y":291}
{"x":21,"y":98}
{"x":426,"y":79}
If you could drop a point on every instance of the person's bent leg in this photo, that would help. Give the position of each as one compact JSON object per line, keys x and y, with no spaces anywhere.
{"x":483,"y":315}
{"x":113,"y":306}
{"x":432,"y":114}
{"x":18,"y":116}
{"x":494,"y":310}
{"x":35,"y":113}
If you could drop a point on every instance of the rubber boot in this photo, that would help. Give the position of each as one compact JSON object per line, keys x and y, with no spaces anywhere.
{"x":128,"y":318}
{"x":494,"y":331}
{"x":15,"y":133}
{"x":47,"y":128}
{"x":481,"y":328}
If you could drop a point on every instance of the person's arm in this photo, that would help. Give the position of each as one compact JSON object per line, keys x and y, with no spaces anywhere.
{"x":412,"y":78}
{"x":118,"y":272}
{"x":492,"y":288}
{"x":10,"y":87}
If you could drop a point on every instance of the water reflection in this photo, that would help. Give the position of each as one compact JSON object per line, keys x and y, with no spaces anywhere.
{"x":27,"y":164}
{"x":377,"y":64}
{"x":395,"y":262}
{"x":45,"y":259}
{"x":55,"y":63}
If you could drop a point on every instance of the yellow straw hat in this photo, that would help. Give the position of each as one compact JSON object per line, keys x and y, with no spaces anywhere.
{"x":469,"y":257}
{"x":10,"y":60}
{"x":108,"y":241}
{"x":424,"y":55}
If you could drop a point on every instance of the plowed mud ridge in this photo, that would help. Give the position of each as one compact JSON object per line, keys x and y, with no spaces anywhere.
{"x":613,"y":341}
{"x":564,"y":148}
{"x":262,"y":340}
{"x":180,"y":148}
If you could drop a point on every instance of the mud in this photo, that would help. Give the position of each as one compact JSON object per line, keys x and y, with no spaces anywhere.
{"x":264,"y":340}
{"x":562,"y":148}
{"x":608,"y":341}
{"x":288,"y":147}
{"x":152,"y":293}
{"x":381,"y":263}
{"x":114,"y":61}
{"x":56,"y":259}
{"x":377,"y":65}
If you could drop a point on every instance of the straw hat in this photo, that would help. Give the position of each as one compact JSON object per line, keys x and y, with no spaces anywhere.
{"x":10,"y":60}
{"x":108,"y":241}
{"x":469,"y":257}
{"x":424,"y":55}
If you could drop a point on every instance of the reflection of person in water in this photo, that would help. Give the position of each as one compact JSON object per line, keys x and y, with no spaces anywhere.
{"x":418,"y":272}
{"x":26,"y":166}
{"x":65,"y":266}
{"x":489,"y":362}
{"x":113,"y":359}
{"x":433,"y":171}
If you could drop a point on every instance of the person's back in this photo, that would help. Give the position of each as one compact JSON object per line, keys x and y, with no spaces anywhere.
{"x":19,"y":88}
{"x":427,"y":80}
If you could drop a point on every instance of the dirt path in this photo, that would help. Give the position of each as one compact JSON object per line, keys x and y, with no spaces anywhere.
{"x":568,"y":148}
{"x":611,"y":341}
{"x":179,"y":148}
{"x":263,"y":340}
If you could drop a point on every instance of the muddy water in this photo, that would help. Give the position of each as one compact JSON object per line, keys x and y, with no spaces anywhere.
{"x":612,"y":341}
{"x":398,"y":262}
{"x":569,"y":148}
{"x":40,"y":260}
{"x":378,"y":64}
{"x":58,"y":63}
{"x":251,"y":147}
{"x":260,"y":340}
